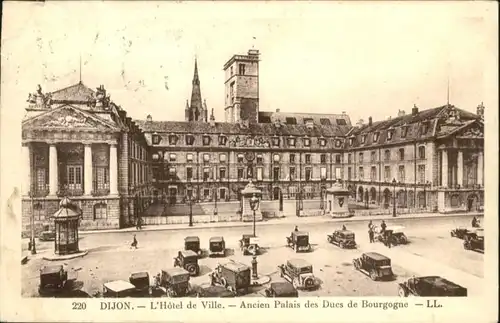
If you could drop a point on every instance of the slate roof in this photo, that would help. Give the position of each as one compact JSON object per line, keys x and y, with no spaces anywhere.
{"x":300,"y":118}
{"x":76,"y":92}
{"x":269,"y":129}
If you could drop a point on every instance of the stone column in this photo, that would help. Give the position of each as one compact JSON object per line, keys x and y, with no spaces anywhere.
{"x":444,"y":168}
{"x":113,"y":170}
{"x":87,"y":160}
{"x":480,"y":174}
{"x":26,"y":183}
{"x":460,"y":168}
{"x":53,"y":172}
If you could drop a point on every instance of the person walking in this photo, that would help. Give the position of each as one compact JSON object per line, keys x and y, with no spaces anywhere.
{"x":134,"y":243}
{"x":383,"y":226}
{"x":296,"y":229}
{"x":371,"y":234}
{"x":344,"y":227}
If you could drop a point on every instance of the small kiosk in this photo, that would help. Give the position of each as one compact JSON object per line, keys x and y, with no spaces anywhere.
{"x":337,"y":199}
{"x":247,"y":213}
{"x":66,"y":221}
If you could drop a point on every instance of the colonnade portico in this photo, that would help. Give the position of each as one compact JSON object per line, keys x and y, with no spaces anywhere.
{"x":54,"y":182}
{"x":457,"y":170}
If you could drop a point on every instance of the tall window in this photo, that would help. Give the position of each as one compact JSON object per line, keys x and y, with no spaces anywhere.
{"x":222,"y":173}
{"x":259,"y":159}
{"x":308,"y":174}
{"x":41,"y":178}
{"x":421,"y":174}
{"x":101,"y":178}
{"x":206,"y":158}
{"x":259,"y":173}
{"x":241,"y":69}
{"x":421,"y":152}
{"x":360,"y":157}
{"x":172,"y":173}
{"x":74,"y":177}
{"x":373,"y":156}
{"x":206,"y":174}
{"x":189,"y":158}
{"x":361,"y":173}
{"x":222,"y":158}
{"x":401,"y":174}
{"x":308,"y":158}
{"x":337,"y":159}
{"x":292,"y":158}
{"x":349,"y":173}
{"x":323,"y":172}
{"x":276,"y":173}
{"x":349,"y":158}
{"x":292,"y":173}
{"x":401,"y":154}
{"x":387,"y":155}
{"x":240,"y":173}
{"x":322,"y":158}
{"x":189,"y":173}
{"x":373,"y":173}
{"x":387,"y":173}
{"x":100,"y":211}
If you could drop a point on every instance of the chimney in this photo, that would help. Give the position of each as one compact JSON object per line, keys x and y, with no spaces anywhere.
{"x":149,"y":118}
{"x":277,"y":110}
{"x":360,"y":123}
{"x":212,"y":119}
{"x":370,"y":121}
{"x":401,"y":113}
{"x":414,"y":110}
{"x":480,"y":110}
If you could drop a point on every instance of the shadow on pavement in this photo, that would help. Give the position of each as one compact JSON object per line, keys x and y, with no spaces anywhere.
{"x":204,"y":270}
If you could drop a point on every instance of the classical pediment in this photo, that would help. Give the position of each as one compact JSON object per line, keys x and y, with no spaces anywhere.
{"x":475,"y":130}
{"x":69,"y":117}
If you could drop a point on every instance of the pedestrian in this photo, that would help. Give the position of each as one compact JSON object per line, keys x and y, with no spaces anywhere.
{"x":343,"y":227}
{"x":296,"y":229}
{"x":474,"y":222}
{"x":370,"y":234}
{"x":388,"y":238}
{"x":134,"y":243}
{"x":383,"y":226}
{"x":370,"y":224}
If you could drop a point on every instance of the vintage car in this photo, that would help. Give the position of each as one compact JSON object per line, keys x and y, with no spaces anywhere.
{"x":375,"y":265}
{"x":430,"y":286}
{"x":300,"y":273}
{"x":215,"y":291}
{"x":188,"y":260}
{"x":234,"y":276}
{"x":119,"y":289}
{"x":193,"y":243}
{"x":217,"y":246}
{"x":393,"y":234}
{"x":474,"y":240}
{"x":141,"y":282}
{"x":342,"y":238}
{"x":53,"y":278}
{"x":281,"y":289}
{"x":249,"y":245}
{"x":299,"y":241}
{"x":460,"y":232}
{"x":175,"y":282}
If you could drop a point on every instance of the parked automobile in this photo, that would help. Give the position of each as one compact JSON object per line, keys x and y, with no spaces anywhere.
{"x":193,"y":243}
{"x":281,"y":289}
{"x":342,"y":238}
{"x":215,"y":291}
{"x":460,"y":232}
{"x":141,"y":282}
{"x":119,"y":289}
{"x":299,"y":241}
{"x":392,"y":234}
{"x":430,"y":286}
{"x":474,"y":240}
{"x":249,"y":245}
{"x":375,"y":265}
{"x":53,"y":278}
{"x":300,"y":273}
{"x":188,"y":260}
{"x":234,"y":276}
{"x":217,"y":246}
{"x":175,"y":282}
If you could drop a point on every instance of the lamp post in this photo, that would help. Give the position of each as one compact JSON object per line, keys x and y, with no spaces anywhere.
{"x":254,"y":204}
{"x":190,"y":202}
{"x":394,"y":197}
{"x":215,"y":200}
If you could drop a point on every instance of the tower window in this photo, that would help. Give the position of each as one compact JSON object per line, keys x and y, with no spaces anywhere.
{"x":241,"y":69}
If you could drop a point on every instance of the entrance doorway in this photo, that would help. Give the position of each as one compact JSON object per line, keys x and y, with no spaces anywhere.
{"x":172,"y":195}
{"x":471,"y":203}
{"x":278,"y":196}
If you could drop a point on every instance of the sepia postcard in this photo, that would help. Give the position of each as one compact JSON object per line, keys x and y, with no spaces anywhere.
{"x":249,"y":161}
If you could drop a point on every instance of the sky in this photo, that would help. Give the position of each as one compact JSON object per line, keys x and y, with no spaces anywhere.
{"x":367,"y":59}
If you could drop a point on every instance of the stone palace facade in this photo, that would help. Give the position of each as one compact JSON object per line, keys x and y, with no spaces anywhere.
{"x":78,"y":143}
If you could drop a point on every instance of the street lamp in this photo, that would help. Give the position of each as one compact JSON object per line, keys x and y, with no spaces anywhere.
{"x":394,"y":198}
{"x":190,"y":202}
{"x":254,"y":204}
{"x":215,"y":199}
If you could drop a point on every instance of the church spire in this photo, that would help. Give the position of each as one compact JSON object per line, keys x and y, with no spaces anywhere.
{"x":196,"y":106}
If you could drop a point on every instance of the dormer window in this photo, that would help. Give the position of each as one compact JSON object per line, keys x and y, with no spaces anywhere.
{"x":322,"y":141}
{"x":309,"y":123}
{"x":222,"y":140}
{"x":390,"y":132}
{"x":404,"y":131}
{"x":307,"y":142}
{"x":206,"y":140}
{"x":291,"y":141}
{"x":172,"y":140}
{"x":351,"y":141}
{"x":337,"y":143}
{"x":363,"y":139}
{"x":156,"y":139}
{"x":189,"y":140}
{"x":375,"y":136}
{"x":425,"y":127}
{"x":276,"y":141}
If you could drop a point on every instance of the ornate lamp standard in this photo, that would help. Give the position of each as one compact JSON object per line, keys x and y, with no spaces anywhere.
{"x":254,"y":204}
{"x":394,"y":197}
{"x":190,"y":203}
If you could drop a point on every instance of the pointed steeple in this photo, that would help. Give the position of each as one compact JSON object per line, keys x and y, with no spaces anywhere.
{"x":196,"y":106}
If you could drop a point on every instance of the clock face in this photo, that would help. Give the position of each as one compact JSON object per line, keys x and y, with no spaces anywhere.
{"x":249,"y":155}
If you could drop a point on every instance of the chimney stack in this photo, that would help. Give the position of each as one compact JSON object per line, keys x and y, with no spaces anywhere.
{"x":414,"y":110}
{"x":401,"y":113}
{"x":277,"y":110}
{"x":212,"y":118}
{"x":149,"y":118}
{"x":370,"y":121}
